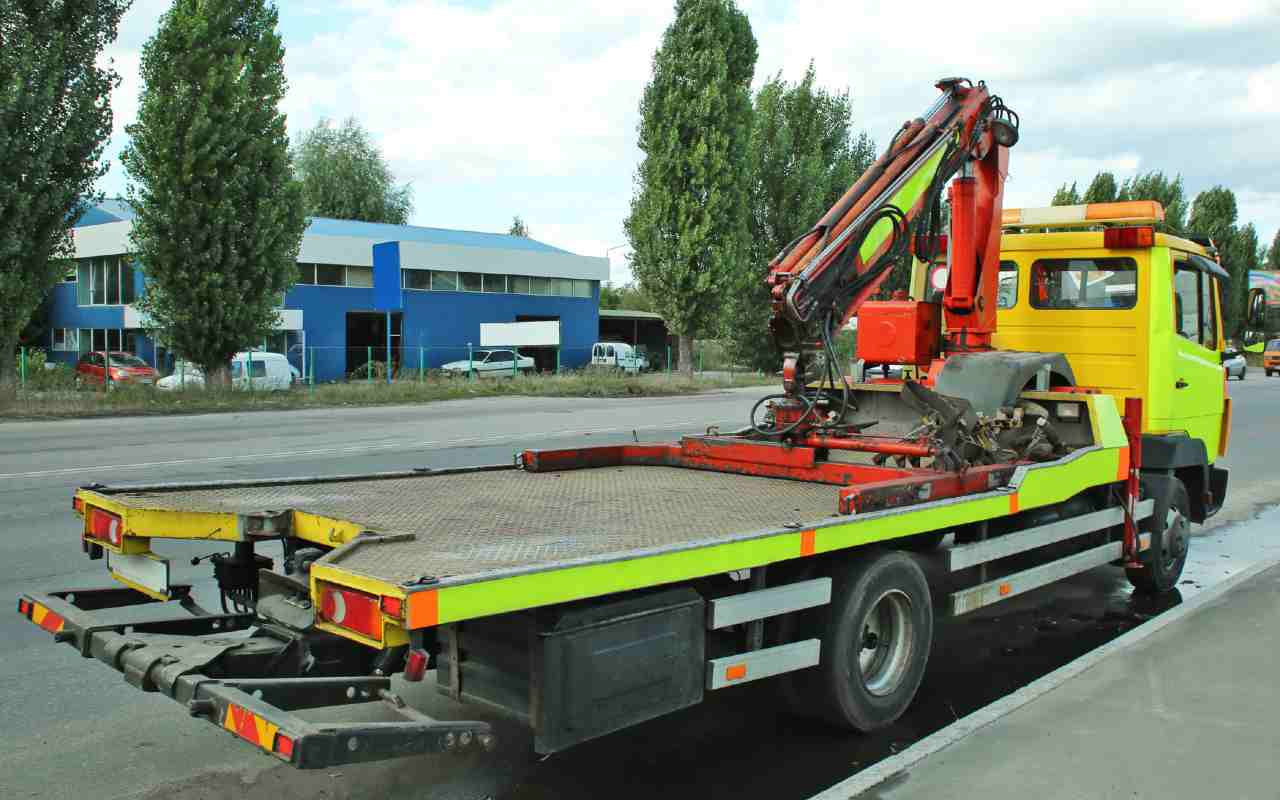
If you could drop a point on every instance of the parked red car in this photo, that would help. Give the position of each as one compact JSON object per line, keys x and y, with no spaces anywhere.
{"x":125,"y":368}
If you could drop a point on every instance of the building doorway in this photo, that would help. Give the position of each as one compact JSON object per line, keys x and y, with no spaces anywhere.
{"x":367,"y":337}
{"x":544,"y":358}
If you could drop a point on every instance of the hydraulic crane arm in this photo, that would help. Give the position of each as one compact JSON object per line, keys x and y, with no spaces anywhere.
{"x":819,"y":281}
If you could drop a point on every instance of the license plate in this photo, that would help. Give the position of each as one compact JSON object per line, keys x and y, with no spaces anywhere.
{"x":148,"y":572}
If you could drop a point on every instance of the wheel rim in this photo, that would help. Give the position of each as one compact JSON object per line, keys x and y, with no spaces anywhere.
{"x":884,"y":653}
{"x":1175,"y":538}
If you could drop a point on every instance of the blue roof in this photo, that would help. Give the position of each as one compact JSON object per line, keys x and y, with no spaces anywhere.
{"x":323,"y":226}
{"x":113,"y":209}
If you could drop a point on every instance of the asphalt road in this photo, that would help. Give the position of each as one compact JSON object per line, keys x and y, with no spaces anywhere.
{"x":74,"y":727}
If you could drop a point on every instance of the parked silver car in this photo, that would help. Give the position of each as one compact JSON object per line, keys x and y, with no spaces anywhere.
{"x":1235,"y":365}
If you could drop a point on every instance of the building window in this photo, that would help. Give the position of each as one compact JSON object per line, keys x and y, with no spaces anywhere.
{"x":415,"y":279}
{"x":583,"y":289}
{"x":307,"y":274}
{"x":444,"y":281}
{"x":104,"y":281}
{"x":471,"y":281}
{"x":330,"y":275}
{"x":65,"y":340}
{"x":540,"y":286}
{"x":563,"y":287}
{"x":360,"y":277}
{"x":520,"y":284}
{"x":495,"y":283}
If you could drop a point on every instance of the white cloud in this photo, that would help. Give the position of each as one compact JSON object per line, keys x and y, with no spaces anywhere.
{"x":530,"y":108}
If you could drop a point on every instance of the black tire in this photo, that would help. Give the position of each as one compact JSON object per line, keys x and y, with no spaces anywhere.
{"x":880,"y":599}
{"x":1170,"y":530}
{"x":1268,"y":372}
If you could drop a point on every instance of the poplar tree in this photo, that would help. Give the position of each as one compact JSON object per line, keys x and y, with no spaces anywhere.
{"x":219,"y":213}
{"x":54,"y":122}
{"x":1213,"y":214}
{"x":688,"y":226}
{"x":344,"y":175}
{"x":803,"y":155}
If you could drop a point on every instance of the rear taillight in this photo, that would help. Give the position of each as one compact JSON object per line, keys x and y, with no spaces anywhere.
{"x":77,"y":505}
{"x":355,"y":611}
{"x":392,"y":606}
{"x":24,"y":607}
{"x":1129,"y":238}
{"x":105,"y":526}
{"x":415,"y":665}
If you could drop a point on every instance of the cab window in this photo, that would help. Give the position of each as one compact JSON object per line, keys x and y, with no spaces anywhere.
{"x":1193,"y":311}
{"x":257,"y":369}
{"x":1007,"y":288}
{"x":1084,"y":283}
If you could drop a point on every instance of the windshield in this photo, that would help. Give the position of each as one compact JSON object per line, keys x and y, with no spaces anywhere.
{"x":127,"y":360}
{"x":1274,"y":344}
{"x":480,"y":355}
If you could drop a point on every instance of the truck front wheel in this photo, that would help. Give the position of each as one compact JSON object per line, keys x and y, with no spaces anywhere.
{"x":876,"y":639}
{"x":1170,"y":530}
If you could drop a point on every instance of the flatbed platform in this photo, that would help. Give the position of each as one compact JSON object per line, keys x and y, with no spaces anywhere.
{"x":500,"y":520}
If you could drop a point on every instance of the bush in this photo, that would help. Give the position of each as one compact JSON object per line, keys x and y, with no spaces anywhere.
{"x":42,"y":375}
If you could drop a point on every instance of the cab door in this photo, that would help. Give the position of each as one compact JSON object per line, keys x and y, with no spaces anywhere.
{"x":1187,"y":390}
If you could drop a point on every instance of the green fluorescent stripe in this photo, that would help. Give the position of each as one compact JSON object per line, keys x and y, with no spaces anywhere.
{"x":1110,"y":427}
{"x":1041,"y":486}
{"x":908,"y":195}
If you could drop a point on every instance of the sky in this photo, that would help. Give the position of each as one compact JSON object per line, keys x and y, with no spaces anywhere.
{"x":525,"y":107}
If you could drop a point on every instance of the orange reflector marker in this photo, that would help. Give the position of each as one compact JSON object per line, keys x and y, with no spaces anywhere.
{"x":736,"y":672}
{"x":284,"y":746}
{"x":424,"y":609}
{"x":1122,"y":470}
{"x":1129,"y":238}
{"x":808,"y":542}
{"x":1005,"y":589}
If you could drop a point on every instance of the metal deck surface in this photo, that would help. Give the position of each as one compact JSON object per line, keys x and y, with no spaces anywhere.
{"x":479,"y":522}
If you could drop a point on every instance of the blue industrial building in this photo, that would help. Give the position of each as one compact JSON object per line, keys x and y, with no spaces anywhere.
{"x":452,"y":282}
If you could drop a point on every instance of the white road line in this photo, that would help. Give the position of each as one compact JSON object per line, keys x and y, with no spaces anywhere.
{"x":361,"y":448}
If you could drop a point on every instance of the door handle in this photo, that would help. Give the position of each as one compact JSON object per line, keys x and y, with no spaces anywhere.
{"x":1181,"y":384}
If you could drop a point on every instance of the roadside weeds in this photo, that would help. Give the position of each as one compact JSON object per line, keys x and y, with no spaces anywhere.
{"x":140,"y":400}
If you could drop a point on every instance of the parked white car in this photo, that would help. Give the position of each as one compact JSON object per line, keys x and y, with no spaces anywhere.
{"x":256,"y":371}
{"x":620,"y":355}
{"x":489,"y":363}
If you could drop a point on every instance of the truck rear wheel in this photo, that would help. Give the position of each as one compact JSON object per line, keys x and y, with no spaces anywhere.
{"x":876,"y":635}
{"x":1170,"y":530}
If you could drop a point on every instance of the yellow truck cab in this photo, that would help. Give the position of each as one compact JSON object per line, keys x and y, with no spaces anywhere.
{"x":1137,"y":314}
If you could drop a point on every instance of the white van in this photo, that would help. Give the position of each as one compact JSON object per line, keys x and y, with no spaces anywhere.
{"x":619,"y":355}
{"x":255,"y":371}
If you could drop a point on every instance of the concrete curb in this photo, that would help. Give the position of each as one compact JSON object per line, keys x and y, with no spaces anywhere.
{"x":900,"y":763}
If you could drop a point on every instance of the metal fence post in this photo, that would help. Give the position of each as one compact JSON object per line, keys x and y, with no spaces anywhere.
{"x":311,"y":375}
{"x":368,"y":365}
{"x":471,"y":365}
{"x":22,"y":367}
{"x":668,"y":359}
{"x":700,"y":353}
{"x":557,"y":360}
{"x":421,"y":362}
{"x":515,"y":362}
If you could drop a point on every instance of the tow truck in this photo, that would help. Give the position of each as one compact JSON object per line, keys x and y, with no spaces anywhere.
{"x":599,"y":587}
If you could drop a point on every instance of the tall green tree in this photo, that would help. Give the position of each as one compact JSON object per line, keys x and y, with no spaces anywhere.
{"x":1272,"y":260}
{"x":518,"y":228}
{"x":219,"y":214}
{"x":1066,"y":196}
{"x":1213,"y":214}
{"x":1102,"y":189}
{"x":54,"y":122}
{"x":344,"y":175}
{"x":803,"y":155}
{"x":627,"y":297}
{"x":688,"y":226}
{"x":1167,"y":191}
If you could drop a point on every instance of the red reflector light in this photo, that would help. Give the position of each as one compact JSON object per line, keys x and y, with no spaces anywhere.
{"x":105,"y":526}
{"x":77,"y":505}
{"x":284,"y":746}
{"x":415,"y":665}
{"x":1128,"y":238}
{"x":24,"y":607}
{"x":392,"y":606}
{"x":352,"y":610}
